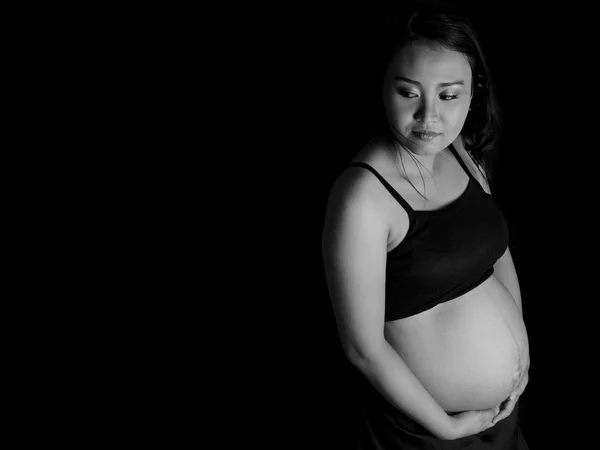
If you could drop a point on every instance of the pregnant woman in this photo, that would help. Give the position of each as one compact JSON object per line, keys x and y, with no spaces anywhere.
{"x":420,"y":276}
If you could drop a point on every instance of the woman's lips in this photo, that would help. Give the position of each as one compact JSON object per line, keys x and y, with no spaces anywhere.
{"x":425,"y":135}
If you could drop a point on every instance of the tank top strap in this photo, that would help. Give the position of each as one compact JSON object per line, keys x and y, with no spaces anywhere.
{"x":387,"y":185}
{"x":462,"y":163}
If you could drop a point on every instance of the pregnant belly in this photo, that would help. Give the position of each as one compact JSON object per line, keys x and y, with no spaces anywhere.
{"x":466,"y":352}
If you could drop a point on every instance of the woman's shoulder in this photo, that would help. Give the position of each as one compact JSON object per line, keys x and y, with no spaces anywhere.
{"x":357,"y":189}
{"x":357,"y":181}
{"x":476,"y":170}
{"x":459,"y":146}
{"x":358,"y":212}
{"x":375,"y":153}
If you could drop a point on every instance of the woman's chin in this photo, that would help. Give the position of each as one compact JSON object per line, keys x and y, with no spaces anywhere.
{"x":422,"y":146}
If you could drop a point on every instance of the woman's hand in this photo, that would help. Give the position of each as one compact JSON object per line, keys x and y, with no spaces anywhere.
{"x":507,"y":406}
{"x":469,"y":423}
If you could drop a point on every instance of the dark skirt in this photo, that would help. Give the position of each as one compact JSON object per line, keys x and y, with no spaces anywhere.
{"x":382,"y":427}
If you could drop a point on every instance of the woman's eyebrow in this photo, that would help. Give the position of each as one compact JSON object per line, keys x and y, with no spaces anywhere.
{"x":446,"y":84}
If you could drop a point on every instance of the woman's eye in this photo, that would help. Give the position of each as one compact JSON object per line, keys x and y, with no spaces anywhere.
{"x":407,"y":94}
{"x":448,"y":96}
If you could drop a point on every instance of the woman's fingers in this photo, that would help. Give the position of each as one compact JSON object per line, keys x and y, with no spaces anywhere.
{"x":521,"y":386}
{"x":523,"y":382}
{"x":490,"y":415}
{"x":506,"y":409}
{"x":509,"y":404}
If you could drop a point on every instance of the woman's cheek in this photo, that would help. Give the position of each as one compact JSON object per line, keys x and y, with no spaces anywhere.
{"x":399,"y":114}
{"x":456,"y":117}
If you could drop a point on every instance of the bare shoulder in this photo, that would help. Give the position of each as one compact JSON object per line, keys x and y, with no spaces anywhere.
{"x":475,"y":169}
{"x":355,"y":196}
{"x":357,"y":190}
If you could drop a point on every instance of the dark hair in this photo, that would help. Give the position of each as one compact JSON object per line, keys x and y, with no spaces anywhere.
{"x":445,"y":26}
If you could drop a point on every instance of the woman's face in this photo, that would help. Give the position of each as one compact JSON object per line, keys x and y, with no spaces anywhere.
{"x":426,"y":94}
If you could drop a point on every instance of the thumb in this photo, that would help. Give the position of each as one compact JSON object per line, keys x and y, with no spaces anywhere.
{"x":492,"y":412}
{"x":487,"y":416}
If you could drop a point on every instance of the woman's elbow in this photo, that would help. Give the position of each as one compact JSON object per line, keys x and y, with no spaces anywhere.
{"x":363,"y":357}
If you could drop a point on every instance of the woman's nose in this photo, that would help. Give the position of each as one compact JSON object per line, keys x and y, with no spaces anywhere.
{"x":427,"y":112}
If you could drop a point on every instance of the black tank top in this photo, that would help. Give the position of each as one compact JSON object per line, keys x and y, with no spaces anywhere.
{"x":446,"y":252}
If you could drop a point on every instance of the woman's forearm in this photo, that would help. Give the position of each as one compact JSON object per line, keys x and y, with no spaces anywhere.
{"x":390,"y":375}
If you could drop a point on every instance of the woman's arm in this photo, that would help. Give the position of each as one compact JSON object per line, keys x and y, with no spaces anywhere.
{"x":354,"y":244}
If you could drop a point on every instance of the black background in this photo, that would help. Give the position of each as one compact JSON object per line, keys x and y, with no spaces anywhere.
{"x":309,"y":116}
